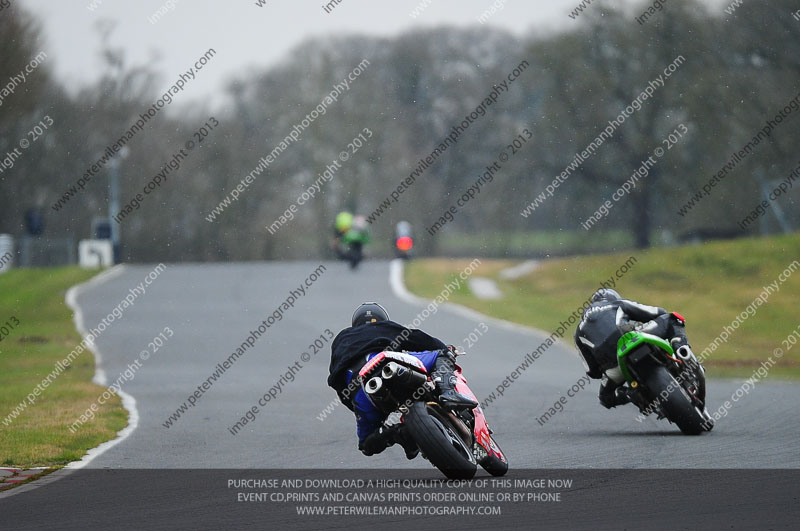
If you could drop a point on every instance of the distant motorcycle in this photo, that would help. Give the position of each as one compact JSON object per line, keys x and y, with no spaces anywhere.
{"x":670,"y":383}
{"x":454,"y":442}
{"x":403,"y":240}
{"x":349,"y":246}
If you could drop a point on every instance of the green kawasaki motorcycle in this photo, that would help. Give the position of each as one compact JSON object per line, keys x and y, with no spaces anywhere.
{"x":671,"y":384}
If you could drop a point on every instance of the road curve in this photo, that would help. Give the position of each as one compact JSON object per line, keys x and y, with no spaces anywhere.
{"x":212,"y":309}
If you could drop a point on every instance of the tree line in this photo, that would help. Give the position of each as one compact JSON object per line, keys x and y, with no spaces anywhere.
{"x":737,"y":73}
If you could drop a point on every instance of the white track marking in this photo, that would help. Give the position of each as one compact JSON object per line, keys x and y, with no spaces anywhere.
{"x":485,"y":288}
{"x":400,"y":291}
{"x":128,"y":402}
{"x":520,"y":270}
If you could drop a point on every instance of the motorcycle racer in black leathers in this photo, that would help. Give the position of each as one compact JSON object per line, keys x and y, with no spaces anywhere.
{"x":604,"y":322}
{"x":370,"y":333}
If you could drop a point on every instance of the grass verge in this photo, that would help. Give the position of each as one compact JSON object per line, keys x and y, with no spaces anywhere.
{"x":709,"y":284}
{"x":39,"y":435}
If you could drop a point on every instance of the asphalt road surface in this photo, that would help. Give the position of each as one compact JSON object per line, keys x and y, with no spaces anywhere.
{"x":212,"y":309}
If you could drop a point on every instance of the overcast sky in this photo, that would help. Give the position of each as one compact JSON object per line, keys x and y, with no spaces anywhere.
{"x":245,"y":35}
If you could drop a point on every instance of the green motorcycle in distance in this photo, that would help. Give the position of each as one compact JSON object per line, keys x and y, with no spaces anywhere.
{"x":350,"y":235}
{"x":352,"y":246}
{"x":671,"y":384}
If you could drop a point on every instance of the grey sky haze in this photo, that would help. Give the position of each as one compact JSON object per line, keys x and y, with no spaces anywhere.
{"x":247,"y":36}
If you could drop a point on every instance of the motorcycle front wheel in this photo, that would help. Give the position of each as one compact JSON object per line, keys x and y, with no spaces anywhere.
{"x":494,"y":465}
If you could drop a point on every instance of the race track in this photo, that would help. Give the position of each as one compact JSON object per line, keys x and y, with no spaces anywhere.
{"x":141,"y":482}
{"x":213,"y":308}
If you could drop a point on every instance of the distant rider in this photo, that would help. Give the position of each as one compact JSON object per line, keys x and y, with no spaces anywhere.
{"x":604,"y":322}
{"x":357,"y":233}
{"x":350,"y":235}
{"x":342,"y":224}
{"x":370,"y":334}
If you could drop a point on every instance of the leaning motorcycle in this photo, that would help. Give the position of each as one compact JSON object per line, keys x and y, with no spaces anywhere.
{"x":354,"y":245}
{"x":350,"y":245}
{"x":663,"y":381}
{"x":455,"y":442}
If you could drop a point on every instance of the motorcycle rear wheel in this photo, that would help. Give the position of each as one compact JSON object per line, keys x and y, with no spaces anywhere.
{"x":677,"y":406}
{"x":439,"y":441}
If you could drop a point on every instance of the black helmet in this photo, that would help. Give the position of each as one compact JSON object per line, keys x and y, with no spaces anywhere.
{"x":369,"y":312}
{"x":605,"y":294}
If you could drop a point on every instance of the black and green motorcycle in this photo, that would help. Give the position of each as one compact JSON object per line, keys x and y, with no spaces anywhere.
{"x":669,"y":383}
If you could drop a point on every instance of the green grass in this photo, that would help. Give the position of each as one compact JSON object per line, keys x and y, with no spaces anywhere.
{"x":708,"y":284}
{"x":532,"y":243}
{"x":40,"y":435}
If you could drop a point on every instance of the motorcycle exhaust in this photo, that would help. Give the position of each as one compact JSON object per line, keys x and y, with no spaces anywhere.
{"x":390,"y":370}
{"x":403,"y":375}
{"x":378,"y":393}
{"x":413,"y":378}
{"x":402,"y":380}
{"x":685,"y":353}
{"x":373,"y":385}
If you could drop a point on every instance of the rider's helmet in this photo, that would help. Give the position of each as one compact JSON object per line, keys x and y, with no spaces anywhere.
{"x":369,"y":312}
{"x":344,"y":220}
{"x":605,"y":294}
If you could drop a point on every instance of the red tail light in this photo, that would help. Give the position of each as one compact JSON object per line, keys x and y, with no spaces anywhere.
{"x":405,"y":243}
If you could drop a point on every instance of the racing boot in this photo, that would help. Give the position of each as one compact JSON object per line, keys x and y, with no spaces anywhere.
{"x":445,"y":378}
{"x":377,"y":441}
{"x":612,"y":394}
{"x":678,"y":326}
{"x":408,"y":444}
{"x":386,"y":436}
